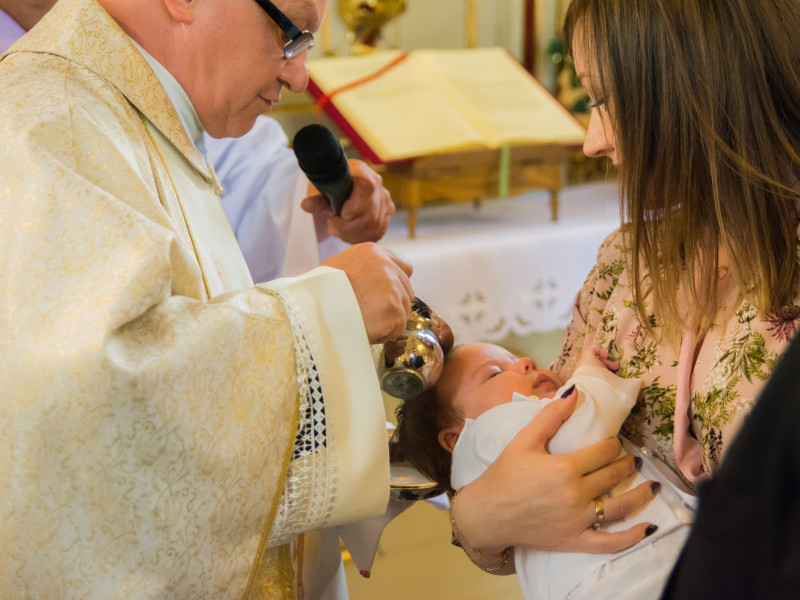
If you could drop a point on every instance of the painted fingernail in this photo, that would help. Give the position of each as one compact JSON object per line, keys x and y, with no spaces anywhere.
{"x":365,"y":574}
{"x":568,"y":391}
{"x":651,"y":529}
{"x":655,"y":486}
{"x":637,"y":462}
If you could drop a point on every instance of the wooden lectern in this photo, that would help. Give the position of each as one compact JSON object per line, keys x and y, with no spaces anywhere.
{"x":476,"y":175}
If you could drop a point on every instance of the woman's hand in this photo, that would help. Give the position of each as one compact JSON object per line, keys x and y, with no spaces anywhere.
{"x":532,"y":498}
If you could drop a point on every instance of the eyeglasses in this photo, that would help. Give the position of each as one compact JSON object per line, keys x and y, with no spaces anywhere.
{"x":298,"y":40}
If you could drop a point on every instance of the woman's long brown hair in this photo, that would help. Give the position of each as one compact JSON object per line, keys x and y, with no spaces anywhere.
{"x":705,"y":107}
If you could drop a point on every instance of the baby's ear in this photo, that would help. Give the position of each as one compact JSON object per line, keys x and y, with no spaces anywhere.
{"x":448,"y":437}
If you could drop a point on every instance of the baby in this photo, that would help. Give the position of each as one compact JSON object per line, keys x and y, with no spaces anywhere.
{"x":485,"y":395}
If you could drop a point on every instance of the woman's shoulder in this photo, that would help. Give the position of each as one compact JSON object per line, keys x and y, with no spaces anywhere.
{"x":614,"y":246}
{"x":609,"y":268}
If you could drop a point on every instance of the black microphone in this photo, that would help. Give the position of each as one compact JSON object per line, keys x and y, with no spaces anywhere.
{"x":322,"y":159}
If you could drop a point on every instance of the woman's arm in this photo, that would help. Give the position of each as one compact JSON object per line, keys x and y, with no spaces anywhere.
{"x":529,"y":497}
{"x":589,"y":303}
{"x":496,"y":563}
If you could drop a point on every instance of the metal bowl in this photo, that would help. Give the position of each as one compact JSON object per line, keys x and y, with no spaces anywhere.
{"x":409,"y":484}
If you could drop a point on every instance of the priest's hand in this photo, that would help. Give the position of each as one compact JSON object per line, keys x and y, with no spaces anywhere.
{"x":365,"y":214}
{"x":380,"y":280}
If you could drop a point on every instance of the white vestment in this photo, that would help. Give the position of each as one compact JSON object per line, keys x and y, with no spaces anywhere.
{"x":164,"y":424}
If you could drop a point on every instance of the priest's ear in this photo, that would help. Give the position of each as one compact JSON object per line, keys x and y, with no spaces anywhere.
{"x":182,"y":11}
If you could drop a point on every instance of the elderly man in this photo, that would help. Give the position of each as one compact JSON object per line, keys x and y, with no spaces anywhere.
{"x":167,"y":427}
{"x":263,"y":187}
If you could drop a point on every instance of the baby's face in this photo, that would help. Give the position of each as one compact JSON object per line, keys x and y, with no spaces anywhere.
{"x":478,"y":377}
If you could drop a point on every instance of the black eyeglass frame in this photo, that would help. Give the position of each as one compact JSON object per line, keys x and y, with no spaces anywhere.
{"x":298,"y":40}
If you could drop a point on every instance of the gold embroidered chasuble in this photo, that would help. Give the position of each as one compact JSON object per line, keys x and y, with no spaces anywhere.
{"x":162,"y":421}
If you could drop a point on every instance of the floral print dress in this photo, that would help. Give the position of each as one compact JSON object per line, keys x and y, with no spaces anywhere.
{"x":731,"y":362}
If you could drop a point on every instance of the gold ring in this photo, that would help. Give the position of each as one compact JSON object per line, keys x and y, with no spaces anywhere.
{"x":599,"y":513}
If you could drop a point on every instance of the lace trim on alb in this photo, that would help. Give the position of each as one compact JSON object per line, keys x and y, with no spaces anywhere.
{"x":310,"y":488}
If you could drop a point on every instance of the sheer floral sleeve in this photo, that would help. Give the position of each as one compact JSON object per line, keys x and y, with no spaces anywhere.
{"x":590,"y":299}
{"x":730,"y":361}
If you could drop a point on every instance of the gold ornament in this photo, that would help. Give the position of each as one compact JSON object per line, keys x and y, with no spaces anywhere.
{"x":364,"y":20}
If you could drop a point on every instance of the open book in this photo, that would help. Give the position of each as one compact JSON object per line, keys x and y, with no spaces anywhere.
{"x":434,"y":101}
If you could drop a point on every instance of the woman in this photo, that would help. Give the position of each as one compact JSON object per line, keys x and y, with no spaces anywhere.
{"x":697,"y":294}
{"x":697,"y":103}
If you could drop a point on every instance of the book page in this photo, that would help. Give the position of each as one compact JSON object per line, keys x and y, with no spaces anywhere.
{"x":504,"y":101}
{"x":399,"y":114}
{"x":444,"y":100}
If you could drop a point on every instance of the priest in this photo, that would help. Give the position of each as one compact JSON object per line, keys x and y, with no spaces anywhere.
{"x":167,"y":428}
{"x":283,"y":226}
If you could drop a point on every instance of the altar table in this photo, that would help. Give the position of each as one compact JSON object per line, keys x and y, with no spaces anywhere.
{"x":505,"y":267}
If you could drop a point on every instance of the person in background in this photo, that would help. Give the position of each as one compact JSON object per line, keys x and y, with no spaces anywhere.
{"x":18,"y":16}
{"x":263,"y":187}
{"x":698,"y":105}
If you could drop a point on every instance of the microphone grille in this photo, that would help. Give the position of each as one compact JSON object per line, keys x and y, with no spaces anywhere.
{"x":316,"y":148}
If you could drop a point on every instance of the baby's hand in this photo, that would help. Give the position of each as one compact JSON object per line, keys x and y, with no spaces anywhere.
{"x":594,"y":355}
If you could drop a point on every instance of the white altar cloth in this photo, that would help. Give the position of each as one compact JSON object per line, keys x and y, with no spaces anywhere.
{"x":505,"y":267}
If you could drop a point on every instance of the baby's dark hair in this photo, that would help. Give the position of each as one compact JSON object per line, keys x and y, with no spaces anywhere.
{"x":419,"y":420}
